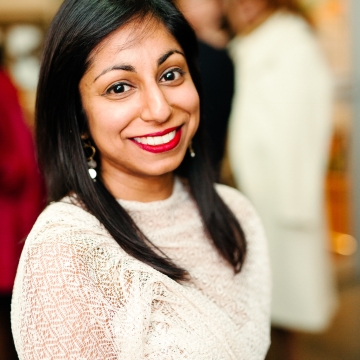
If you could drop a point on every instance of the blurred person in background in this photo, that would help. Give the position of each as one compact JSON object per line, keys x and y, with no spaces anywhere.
{"x":279,"y":135}
{"x":216,"y":70}
{"x":21,"y":198}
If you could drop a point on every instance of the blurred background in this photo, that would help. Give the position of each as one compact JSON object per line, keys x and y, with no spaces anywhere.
{"x":23,"y":25}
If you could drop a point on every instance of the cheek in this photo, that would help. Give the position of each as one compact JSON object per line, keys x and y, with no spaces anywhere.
{"x":193,"y":106}
{"x":99,"y":122}
{"x":109,"y":119}
{"x":188,"y":100}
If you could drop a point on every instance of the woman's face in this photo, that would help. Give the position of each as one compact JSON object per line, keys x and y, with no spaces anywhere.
{"x":140,"y":101}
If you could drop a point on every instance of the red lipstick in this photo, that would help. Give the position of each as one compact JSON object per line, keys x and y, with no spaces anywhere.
{"x":161,"y":147}
{"x":161,"y":133}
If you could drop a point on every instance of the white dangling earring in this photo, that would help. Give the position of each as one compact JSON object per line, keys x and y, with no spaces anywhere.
{"x":191,"y":150}
{"x":91,"y":162}
{"x":92,"y":165}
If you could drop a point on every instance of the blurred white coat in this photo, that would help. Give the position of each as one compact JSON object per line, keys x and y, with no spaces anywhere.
{"x":279,"y":135}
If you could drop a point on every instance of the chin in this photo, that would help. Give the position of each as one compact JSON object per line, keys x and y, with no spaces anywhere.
{"x":163,"y":167}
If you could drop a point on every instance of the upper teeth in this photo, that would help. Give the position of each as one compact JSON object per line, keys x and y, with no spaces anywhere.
{"x":156,"y":140}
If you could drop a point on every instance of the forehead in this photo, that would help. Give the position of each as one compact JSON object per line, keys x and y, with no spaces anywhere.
{"x":135,"y":34}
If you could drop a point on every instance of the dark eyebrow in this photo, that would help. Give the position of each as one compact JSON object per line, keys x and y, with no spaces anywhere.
{"x":130,"y":68}
{"x":164,"y":57}
{"x":117,"y":67}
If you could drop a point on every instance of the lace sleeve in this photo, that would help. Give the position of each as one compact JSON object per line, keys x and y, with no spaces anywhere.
{"x":79,"y":300}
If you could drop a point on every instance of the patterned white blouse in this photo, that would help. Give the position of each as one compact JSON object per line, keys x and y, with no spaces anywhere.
{"x":78,"y":295}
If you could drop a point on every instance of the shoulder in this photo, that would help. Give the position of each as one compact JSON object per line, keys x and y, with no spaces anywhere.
{"x":247,"y":217}
{"x":282,"y":36}
{"x":68,"y":212}
{"x":295,"y":34}
{"x":66,"y":223}
{"x":68,"y":238}
{"x":242,"y":208}
{"x":290,"y":46}
{"x":255,"y":273}
{"x":285,"y":22}
{"x":283,"y":30}
{"x":234,"y":199}
{"x":65,"y":230}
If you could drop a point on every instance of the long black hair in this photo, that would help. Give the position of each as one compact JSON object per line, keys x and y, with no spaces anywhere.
{"x":76,"y":30}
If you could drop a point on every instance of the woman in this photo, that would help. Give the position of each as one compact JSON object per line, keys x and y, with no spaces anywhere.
{"x":279,"y":136}
{"x":142,"y":259}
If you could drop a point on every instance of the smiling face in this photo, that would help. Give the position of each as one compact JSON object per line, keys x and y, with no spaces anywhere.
{"x":140,"y":102}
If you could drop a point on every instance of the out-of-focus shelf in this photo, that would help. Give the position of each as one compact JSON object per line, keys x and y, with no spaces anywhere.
{"x":338,"y":197}
{"x":27,"y":10}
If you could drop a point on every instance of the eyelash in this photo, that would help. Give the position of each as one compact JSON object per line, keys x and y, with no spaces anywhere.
{"x":112,"y":87}
{"x":175,"y":70}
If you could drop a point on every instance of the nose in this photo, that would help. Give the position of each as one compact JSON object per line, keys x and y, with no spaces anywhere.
{"x":155,"y":105}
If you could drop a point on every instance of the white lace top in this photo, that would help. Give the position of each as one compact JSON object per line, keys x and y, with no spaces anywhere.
{"x":78,"y":295}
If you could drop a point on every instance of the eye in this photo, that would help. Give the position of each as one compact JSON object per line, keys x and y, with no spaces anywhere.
{"x":172,"y":75}
{"x":118,"y":88}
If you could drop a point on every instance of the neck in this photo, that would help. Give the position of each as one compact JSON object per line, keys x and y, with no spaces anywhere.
{"x":259,"y":20}
{"x":213,"y":37}
{"x":135,"y":188}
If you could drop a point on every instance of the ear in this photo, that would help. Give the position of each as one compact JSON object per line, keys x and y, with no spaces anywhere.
{"x":83,"y":125}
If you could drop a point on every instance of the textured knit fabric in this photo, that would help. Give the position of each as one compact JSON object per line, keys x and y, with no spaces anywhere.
{"x":78,"y":295}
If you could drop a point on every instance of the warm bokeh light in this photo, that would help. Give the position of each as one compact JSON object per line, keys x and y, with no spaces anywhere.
{"x":344,"y":244}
